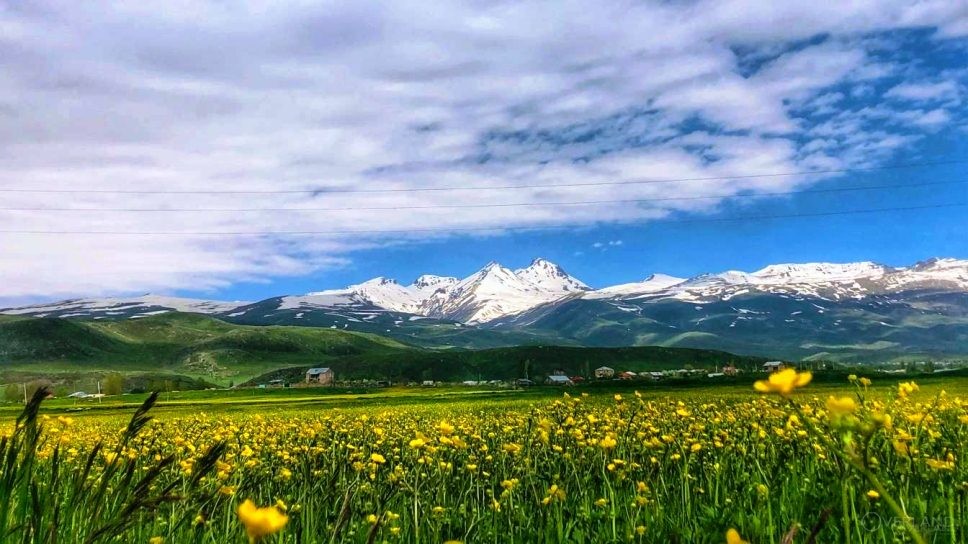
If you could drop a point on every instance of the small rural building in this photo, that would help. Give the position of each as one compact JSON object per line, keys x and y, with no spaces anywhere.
{"x":322,"y":376}
{"x":730,"y":370}
{"x":628,"y":375}
{"x":773,"y":366}
{"x":604,"y":373}
{"x":558,"y":380}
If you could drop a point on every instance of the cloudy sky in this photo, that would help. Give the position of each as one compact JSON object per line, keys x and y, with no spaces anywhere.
{"x":342,"y":140}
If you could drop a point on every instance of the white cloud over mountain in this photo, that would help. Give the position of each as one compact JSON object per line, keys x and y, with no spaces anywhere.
{"x":257,"y":96}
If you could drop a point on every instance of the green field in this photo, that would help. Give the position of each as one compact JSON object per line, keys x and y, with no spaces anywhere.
{"x":584,"y":464}
{"x":188,"y":351}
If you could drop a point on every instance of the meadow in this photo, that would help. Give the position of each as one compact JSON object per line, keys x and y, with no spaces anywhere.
{"x":792,"y":462}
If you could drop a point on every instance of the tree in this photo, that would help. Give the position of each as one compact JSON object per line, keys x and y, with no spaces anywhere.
{"x":113,"y":384}
{"x":12,"y":393}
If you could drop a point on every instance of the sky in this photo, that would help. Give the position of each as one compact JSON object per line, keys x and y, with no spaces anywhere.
{"x":340,"y":141}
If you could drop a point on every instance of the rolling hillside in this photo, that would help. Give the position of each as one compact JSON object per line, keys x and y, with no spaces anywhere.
{"x":201,"y":347}
{"x":185,"y":344}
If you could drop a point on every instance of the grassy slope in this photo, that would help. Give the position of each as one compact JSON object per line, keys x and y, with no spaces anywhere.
{"x":187,"y":344}
{"x":205,"y":348}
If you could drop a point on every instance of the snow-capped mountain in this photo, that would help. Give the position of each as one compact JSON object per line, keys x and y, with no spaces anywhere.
{"x":653,"y":284}
{"x":428,"y":283}
{"x":141,"y":306}
{"x":826,"y":281}
{"x":379,"y":292}
{"x":495,"y":291}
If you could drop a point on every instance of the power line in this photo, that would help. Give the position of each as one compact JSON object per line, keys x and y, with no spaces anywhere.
{"x":475,"y":188}
{"x":498,"y":205}
{"x":481,"y":229}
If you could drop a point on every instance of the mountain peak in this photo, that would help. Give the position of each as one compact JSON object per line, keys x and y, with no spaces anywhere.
{"x":811,"y":272}
{"x":380,"y":280}
{"x":545,"y":275}
{"x":431,"y":281}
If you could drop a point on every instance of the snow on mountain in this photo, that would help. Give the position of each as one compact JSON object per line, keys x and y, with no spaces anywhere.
{"x":817,"y":272}
{"x":141,"y":306}
{"x":428,"y":283}
{"x":653,"y":284}
{"x":495,"y":291}
{"x":930,"y":274}
{"x":549,"y":277}
{"x":380,"y":292}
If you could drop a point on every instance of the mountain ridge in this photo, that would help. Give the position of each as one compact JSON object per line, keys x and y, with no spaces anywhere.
{"x":847,"y":311}
{"x":495,"y":292}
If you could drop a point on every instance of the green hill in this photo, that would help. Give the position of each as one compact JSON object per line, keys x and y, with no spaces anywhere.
{"x":196,"y":347}
{"x":183,"y":344}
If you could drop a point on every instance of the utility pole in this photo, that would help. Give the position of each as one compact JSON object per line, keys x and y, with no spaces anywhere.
{"x":99,"y":391}
{"x":25,"y":394}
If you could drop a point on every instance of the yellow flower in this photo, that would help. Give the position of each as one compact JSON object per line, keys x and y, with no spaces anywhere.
{"x":261,"y":522}
{"x":732,"y":537}
{"x":840,"y":407}
{"x":377,"y":458}
{"x":417,"y":443}
{"x":906,"y":388}
{"x":156,"y":540}
{"x":938,"y":464}
{"x":445,"y":428}
{"x":873,"y":495}
{"x":608,"y":443}
{"x":783,"y":382}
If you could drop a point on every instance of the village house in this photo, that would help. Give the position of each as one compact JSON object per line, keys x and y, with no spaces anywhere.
{"x":773,"y":366}
{"x":558,"y":380}
{"x":604,"y":373}
{"x":321,"y":376}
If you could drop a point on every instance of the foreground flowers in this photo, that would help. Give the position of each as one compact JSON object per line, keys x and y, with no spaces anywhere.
{"x":657,"y":466}
{"x":261,"y":522}
{"x":783,"y":381}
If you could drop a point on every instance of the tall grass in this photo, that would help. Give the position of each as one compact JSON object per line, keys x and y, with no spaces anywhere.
{"x":575,"y":469}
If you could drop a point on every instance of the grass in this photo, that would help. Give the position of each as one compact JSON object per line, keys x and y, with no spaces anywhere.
{"x":416,"y":465}
{"x":166,"y":347}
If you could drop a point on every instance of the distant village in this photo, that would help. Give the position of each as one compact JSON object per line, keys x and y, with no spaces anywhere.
{"x":324,"y":376}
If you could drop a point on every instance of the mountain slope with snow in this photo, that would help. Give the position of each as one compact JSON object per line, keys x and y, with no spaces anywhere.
{"x":495,"y":291}
{"x":854,"y":311}
{"x":123,"y":307}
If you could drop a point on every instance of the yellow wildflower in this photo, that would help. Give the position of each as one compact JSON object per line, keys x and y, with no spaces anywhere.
{"x":783,"y":382}
{"x":906,"y":388}
{"x":261,"y":522}
{"x":840,"y":407}
{"x":732,"y":537}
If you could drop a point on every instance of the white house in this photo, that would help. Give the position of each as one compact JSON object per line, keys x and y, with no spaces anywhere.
{"x":604,"y":373}
{"x":558,"y":380}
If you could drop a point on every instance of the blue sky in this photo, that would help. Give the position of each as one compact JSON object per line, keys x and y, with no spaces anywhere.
{"x":211,"y":123}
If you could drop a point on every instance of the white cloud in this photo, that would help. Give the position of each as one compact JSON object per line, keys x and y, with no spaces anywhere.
{"x":258,"y":96}
{"x":943,"y":90}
